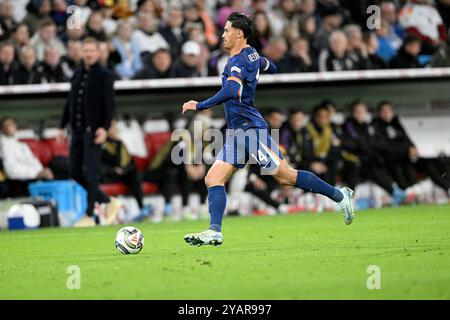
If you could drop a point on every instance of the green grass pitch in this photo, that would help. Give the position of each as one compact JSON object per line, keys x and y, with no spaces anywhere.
{"x":305,"y":256}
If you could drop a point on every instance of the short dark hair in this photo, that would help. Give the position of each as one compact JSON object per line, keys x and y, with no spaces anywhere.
{"x":319,"y":108}
{"x":383,"y":103}
{"x":294,"y":111}
{"x":356,"y":103}
{"x":4,"y":119}
{"x":242,"y":22}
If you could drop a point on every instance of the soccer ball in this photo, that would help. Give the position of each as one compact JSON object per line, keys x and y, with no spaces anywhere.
{"x":129,"y":240}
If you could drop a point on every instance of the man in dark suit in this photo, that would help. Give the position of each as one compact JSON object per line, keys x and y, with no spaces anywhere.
{"x":89,"y":110}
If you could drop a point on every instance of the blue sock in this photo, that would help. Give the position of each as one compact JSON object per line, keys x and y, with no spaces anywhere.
{"x":217,"y":201}
{"x":309,"y":181}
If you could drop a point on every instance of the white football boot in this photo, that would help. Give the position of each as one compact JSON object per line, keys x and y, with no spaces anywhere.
{"x":208,"y":237}
{"x":346,"y":205}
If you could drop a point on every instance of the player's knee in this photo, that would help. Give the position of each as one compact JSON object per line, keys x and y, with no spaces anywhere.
{"x":286,"y":178}
{"x":212,"y":180}
{"x":283,"y":181}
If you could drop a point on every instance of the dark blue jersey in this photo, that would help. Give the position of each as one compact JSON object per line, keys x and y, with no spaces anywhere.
{"x":244,"y":68}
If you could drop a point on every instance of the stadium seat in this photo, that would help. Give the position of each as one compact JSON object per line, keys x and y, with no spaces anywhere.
{"x":118,"y":189}
{"x":57,"y":149}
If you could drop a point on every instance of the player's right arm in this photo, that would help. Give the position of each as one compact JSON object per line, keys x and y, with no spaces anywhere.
{"x":267,"y":65}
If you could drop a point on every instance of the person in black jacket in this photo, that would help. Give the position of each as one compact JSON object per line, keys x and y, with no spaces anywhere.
{"x":50,"y":70}
{"x":362,"y":153}
{"x":119,"y":166}
{"x":291,"y":137}
{"x":407,"y":56}
{"x":186,"y":66}
{"x":27,"y":73}
{"x":402,"y":157}
{"x":8,"y":66}
{"x":400,"y":152}
{"x":173,"y":32}
{"x":89,"y":110}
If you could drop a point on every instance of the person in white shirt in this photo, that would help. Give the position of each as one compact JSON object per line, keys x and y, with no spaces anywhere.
{"x":148,"y":39}
{"x":419,"y":17}
{"x":19,"y":163}
{"x":46,"y":37}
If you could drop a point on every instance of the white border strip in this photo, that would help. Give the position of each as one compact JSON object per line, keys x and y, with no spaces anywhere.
{"x":265,"y":79}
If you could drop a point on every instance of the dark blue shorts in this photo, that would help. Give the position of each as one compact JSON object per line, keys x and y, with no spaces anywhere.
{"x":254,"y":146}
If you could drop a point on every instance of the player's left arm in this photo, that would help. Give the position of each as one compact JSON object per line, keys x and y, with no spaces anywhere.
{"x":267,"y":65}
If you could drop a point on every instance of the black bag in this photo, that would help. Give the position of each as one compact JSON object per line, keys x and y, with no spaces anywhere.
{"x":47,"y":210}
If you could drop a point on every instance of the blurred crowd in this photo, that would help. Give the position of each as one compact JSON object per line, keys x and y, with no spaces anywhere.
{"x":40,"y":40}
{"x":343,"y":148}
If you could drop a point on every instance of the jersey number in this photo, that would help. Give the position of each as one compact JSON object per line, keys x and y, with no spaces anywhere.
{"x":261,"y":158}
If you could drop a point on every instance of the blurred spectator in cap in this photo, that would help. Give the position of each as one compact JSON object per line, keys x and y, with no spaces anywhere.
{"x":128,"y":50}
{"x":173,"y":31}
{"x":336,"y":58}
{"x":72,"y":60}
{"x":7,"y":23}
{"x":408,"y":54}
{"x":37,"y":10}
{"x":160,"y":66}
{"x":8,"y":67}
{"x":28,"y":70}
{"x":431,"y":30}
{"x":146,"y":36}
{"x":331,"y":21}
{"x":46,"y":37}
{"x":50,"y":69}
{"x":262,"y":31}
{"x":187,"y":65}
